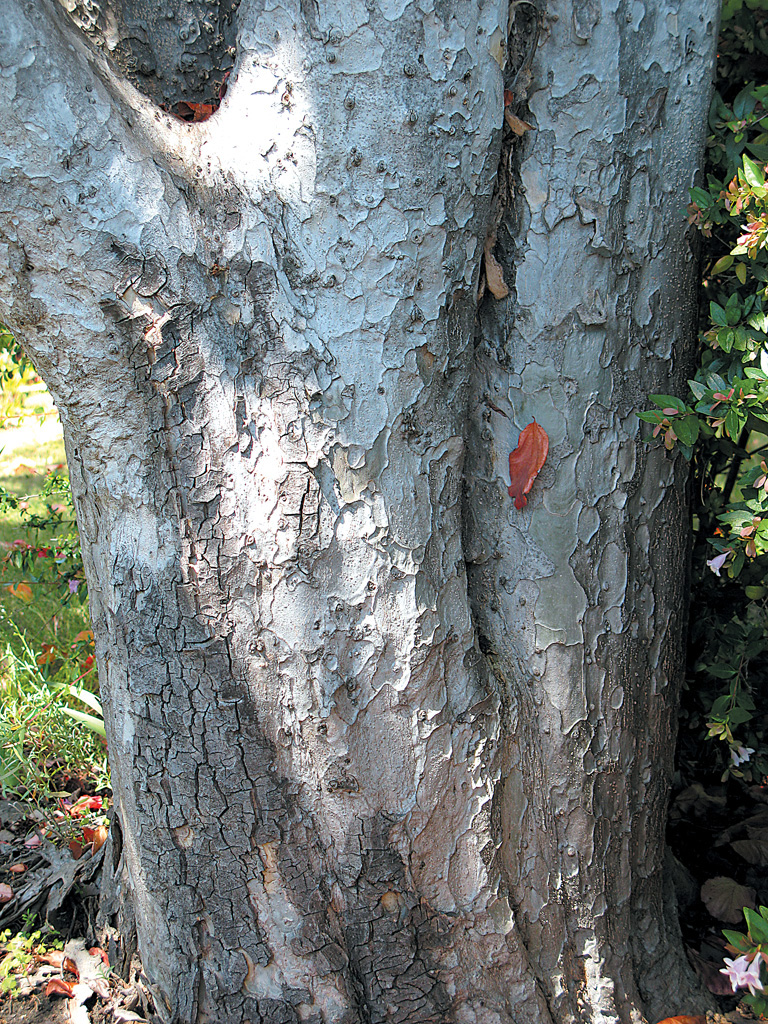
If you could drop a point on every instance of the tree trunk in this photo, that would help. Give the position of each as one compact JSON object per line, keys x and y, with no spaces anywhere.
{"x":384,"y":748}
{"x":579,"y":599}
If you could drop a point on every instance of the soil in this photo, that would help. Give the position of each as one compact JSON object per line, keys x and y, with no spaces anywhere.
{"x":44,"y":1010}
{"x":34,"y":1010}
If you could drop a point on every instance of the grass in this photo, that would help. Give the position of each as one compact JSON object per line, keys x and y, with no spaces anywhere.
{"x":49,"y":721}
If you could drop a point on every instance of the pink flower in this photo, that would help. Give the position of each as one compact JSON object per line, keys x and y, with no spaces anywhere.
{"x":752,"y":977}
{"x":73,"y":585}
{"x":743,"y":974}
{"x":717,"y":563}
{"x":740,"y":755}
{"x":736,"y":971}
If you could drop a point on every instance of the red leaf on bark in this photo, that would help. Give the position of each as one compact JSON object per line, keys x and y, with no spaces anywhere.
{"x":59,"y":987}
{"x":526,"y":461}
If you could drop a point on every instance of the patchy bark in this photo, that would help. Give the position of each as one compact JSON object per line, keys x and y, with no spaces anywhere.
{"x":353,"y":780}
{"x":579,"y":599}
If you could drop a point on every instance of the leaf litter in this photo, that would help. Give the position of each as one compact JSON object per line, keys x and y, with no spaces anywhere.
{"x":715,"y":834}
{"x":54,"y":879}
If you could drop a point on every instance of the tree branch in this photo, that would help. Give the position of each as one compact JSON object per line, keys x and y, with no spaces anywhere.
{"x":81,"y":170}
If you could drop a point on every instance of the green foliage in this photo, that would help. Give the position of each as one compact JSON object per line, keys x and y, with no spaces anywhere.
{"x":92,"y":722}
{"x":41,"y":698}
{"x":20,"y":950}
{"x":722,"y":423}
{"x":50,"y":553}
{"x":50,"y":715}
{"x":752,"y":950}
{"x":21,"y":392}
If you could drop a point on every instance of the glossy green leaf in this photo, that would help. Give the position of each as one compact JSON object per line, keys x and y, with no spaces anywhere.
{"x":752,"y":172}
{"x":717,"y":313}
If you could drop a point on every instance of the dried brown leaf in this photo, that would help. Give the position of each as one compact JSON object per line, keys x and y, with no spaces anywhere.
{"x":59,"y":987}
{"x":54,"y":957}
{"x":695,"y":798}
{"x":724,"y":898}
{"x":518,"y":126}
{"x":89,"y":966}
{"x":709,"y":972}
{"x":494,"y":275}
{"x":754,"y":851}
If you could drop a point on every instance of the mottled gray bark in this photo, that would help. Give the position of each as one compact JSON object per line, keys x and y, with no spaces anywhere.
{"x":579,"y":598}
{"x":384,"y":748}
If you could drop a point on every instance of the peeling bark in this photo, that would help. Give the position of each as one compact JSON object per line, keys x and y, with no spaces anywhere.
{"x":579,"y":598}
{"x":384,"y":749}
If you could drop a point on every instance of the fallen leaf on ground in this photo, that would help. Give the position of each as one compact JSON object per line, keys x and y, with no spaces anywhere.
{"x":6,"y":892}
{"x":17,"y":869}
{"x":526,"y":461}
{"x":695,"y":798}
{"x":26,"y":985}
{"x":55,"y":957}
{"x":86,"y":803}
{"x":89,"y":967}
{"x":59,"y":987}
{"x":195,"y":111}
{"x":95,"y":837}
{"x":709,"y":972}
{"x":47,"y":655}
{"x":33,"y":841}
{"x":102,"y":953}
{"x":754,"y":851}
{"x":699,"y":1019}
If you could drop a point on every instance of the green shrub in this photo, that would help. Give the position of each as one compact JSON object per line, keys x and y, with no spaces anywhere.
{"x":722,"y":424}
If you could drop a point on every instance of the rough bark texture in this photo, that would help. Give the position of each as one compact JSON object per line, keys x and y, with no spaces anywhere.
{"x":579,"y":598}
{"x":383,"y":751}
